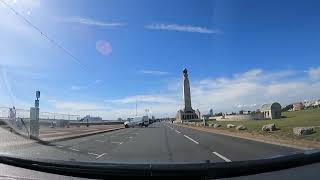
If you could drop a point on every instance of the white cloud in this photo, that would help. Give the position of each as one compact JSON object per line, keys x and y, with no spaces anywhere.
{"x":81,"y":87}
{"x":247,"y":91}
{"x":181,"y":28}
{"x":91,"y":22}
{"x":98,"y":81}
{"x":77,"y":106}
{"x":153,"y":72}
{"x":75,"y":88}
{"x":314,"y":73}
{"x":241,"y":91}
{"x":252,"y":87}
{"x":144,"y":99}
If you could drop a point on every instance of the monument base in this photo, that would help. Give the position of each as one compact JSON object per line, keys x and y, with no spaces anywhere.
{"x":188,"y":116}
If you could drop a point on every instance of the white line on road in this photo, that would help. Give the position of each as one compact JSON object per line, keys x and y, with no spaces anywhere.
{"x":99,"y":141}
{"x":178,"y":131}
{"x":129,"y":137}
{"x":93,"y":154}
{"x":100,"y":155}
{"x":73,"y":149}
{"x":222,"y":157}
{"x":60,"y":146}
{"x":191,"y":139}
{"x":117,"y":142}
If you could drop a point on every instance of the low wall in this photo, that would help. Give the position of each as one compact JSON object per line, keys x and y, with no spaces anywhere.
{"x":240,"y":117}
{"x":64,"y":123}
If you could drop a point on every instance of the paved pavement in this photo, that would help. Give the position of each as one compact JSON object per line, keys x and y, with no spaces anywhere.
{"x":160,"y":142}
{"x":56,"y":134}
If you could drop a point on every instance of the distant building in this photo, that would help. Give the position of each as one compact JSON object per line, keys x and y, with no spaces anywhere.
{"x":271,"y":111}
{"x":317,"y":104}
{"x":244,"y":112}
{"x":312,"y":103}
{"x":297,"y":106}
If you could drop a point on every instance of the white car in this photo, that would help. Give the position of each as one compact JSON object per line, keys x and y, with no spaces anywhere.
{"x":137,"y":121}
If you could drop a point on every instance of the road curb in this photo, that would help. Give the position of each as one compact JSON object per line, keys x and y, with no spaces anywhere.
{"x":205,"y":129}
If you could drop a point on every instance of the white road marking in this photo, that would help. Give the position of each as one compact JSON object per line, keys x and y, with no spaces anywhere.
{"x":99,"y":141}
{"x":93,"y":154}
{"x":222,"y":157}
{"x":178,"y":131}
{"x":129,"y":137}
{"x":60,"y":146}
{"x":73,"y":149}
{"x":117,"y":142}
{"x":100,"y":155}
{"x":191,"y":139}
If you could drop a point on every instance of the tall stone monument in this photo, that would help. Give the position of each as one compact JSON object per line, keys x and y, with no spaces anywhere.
{"x":187,"y":113}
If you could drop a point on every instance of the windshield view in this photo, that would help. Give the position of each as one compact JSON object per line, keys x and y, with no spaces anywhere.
{"x":170,"y":81}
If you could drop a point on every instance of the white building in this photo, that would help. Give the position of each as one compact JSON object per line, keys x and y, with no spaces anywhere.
{"x":271,"y":111}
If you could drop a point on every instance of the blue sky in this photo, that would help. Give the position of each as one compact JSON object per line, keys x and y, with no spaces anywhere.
{"x":240,"y":54}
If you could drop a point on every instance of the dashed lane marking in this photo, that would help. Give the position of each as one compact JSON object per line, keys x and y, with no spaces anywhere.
{"x":222,"y":157}
{"x":73,"y":149}
{"x":178,"y":131}
{"x":191,"y":139}
{"x":100,"y":141}
{"x":129,"y":137}
{"x":93,"y":154}
{"x":100,"y":155}
{"x":116,"y":142}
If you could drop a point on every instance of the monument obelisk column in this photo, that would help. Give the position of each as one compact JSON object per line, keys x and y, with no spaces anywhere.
{"x":187,"y":114}
{"x":186,"y":92}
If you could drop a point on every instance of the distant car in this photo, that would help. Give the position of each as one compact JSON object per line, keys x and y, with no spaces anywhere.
{"x":137,"y":121}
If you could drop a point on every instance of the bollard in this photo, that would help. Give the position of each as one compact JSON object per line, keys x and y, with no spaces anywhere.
{"x":34,"y":123}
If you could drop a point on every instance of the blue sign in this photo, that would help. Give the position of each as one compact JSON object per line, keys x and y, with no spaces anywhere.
{"x":38,"y":94}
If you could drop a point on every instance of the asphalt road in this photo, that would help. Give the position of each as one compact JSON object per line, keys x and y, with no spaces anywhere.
{"x":160,"y":142}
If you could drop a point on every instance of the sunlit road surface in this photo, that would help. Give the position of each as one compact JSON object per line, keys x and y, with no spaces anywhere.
{"x":160,"y":142}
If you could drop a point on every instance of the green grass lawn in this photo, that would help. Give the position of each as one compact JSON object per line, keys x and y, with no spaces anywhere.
{"x":291,"y":120}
